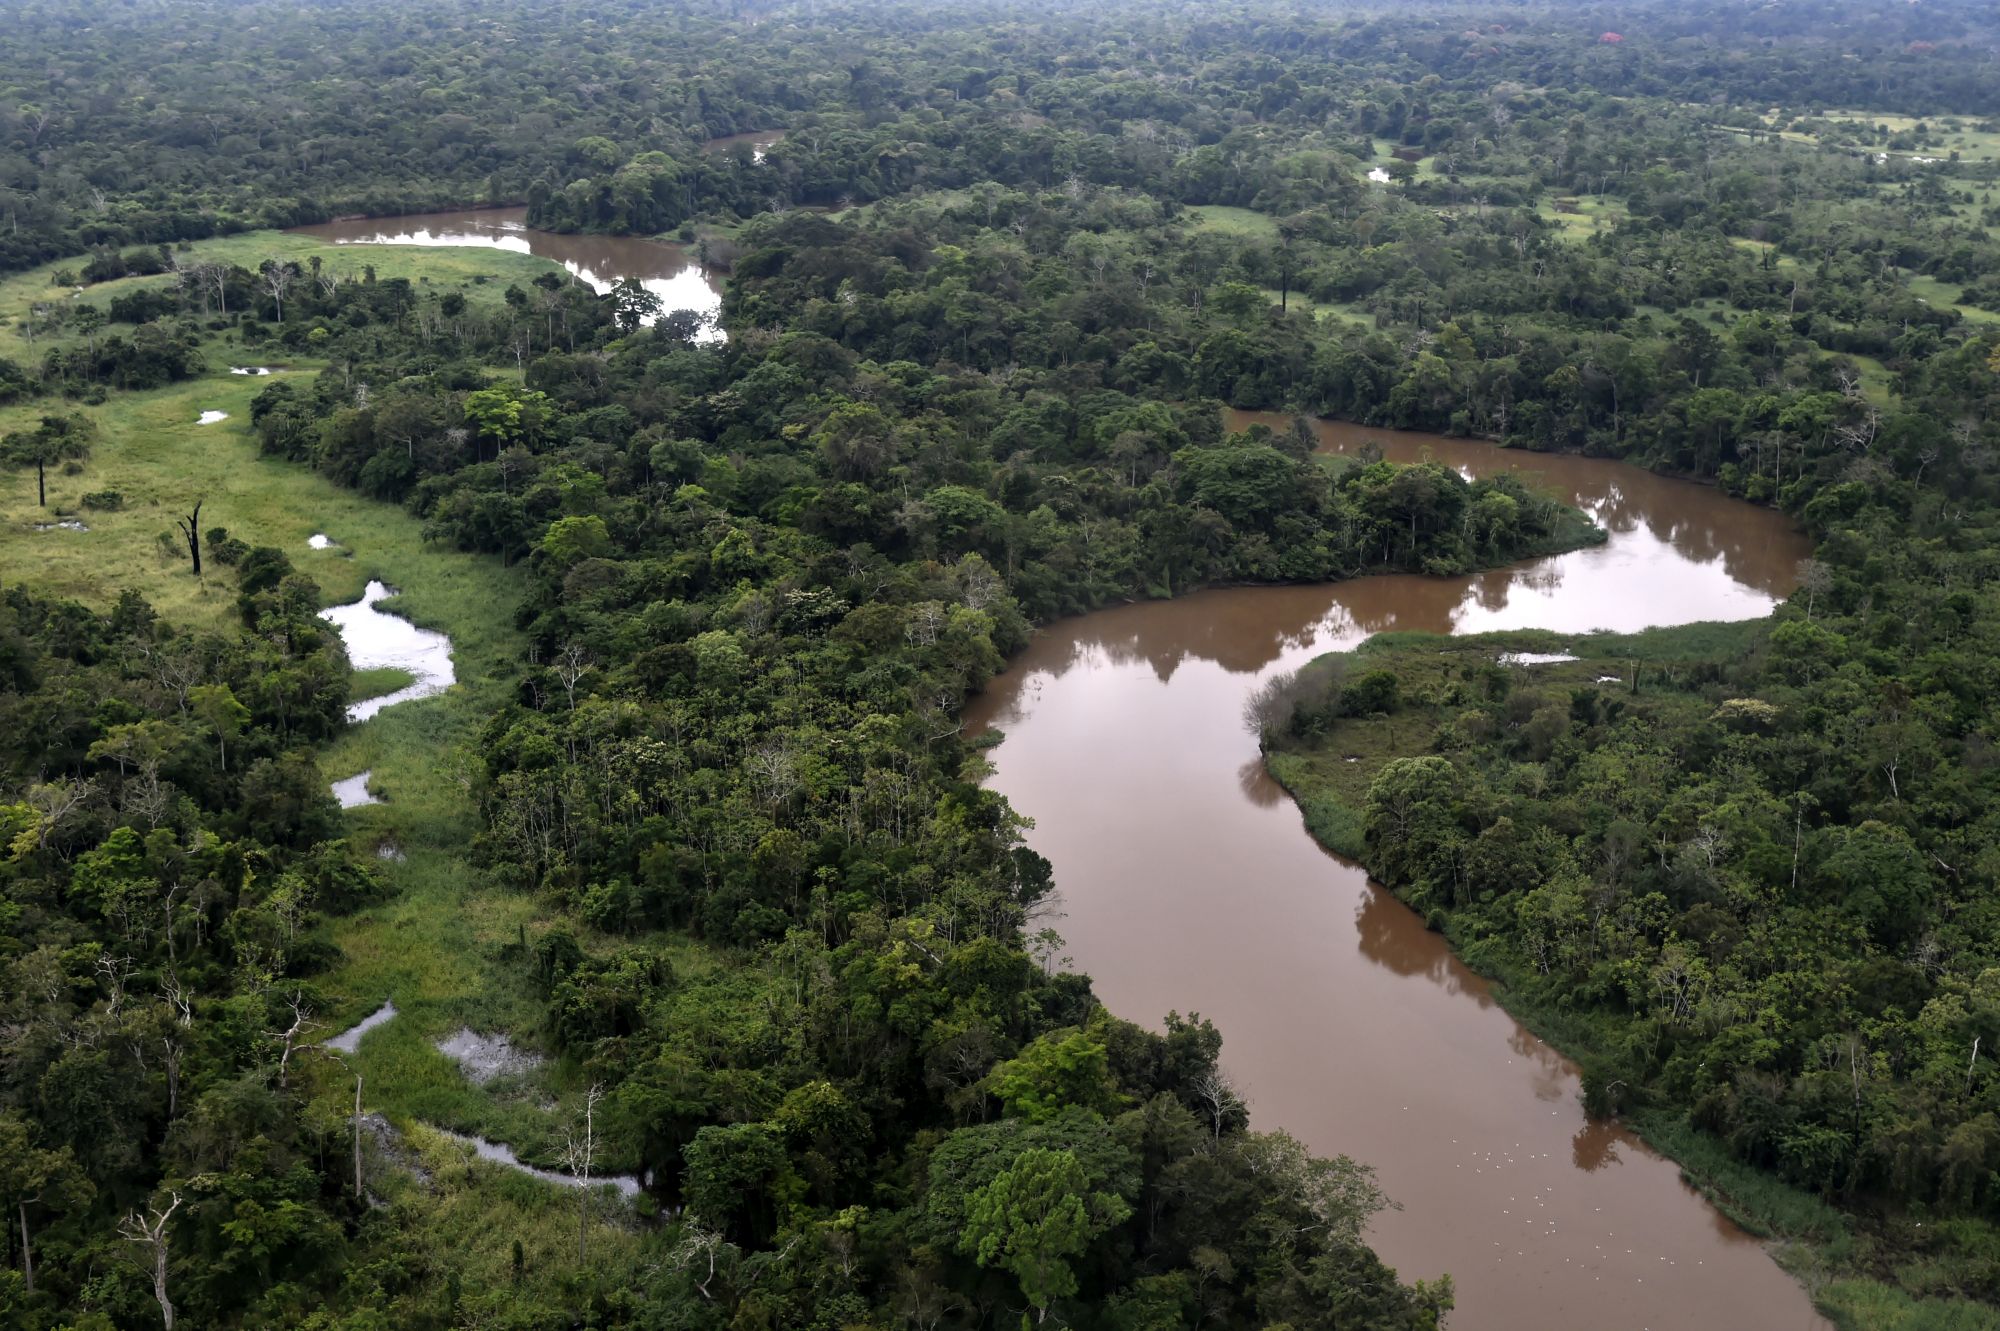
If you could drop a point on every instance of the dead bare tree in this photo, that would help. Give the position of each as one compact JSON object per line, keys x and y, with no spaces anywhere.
{"x":1218,"y":1098}
{"x":171,"y":1053}
{"x":191,"y":530}
{"x":701,"y":1247}
{"x":114,"y":970}
{"x":149,"y":1231}
{"x":357,"y":1136}
{"x":278,"y":279}
{"x":56,"y":802}
{"x":292,"y":1035}
{"x":1815,"y":580}
{"x":216,"y":275}
{"x":580,"y":1154}
{"x":572,"y":664}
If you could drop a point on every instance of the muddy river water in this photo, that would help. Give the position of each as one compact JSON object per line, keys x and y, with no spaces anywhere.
{"x":1189,"y":882}
{"x":668,"y":271}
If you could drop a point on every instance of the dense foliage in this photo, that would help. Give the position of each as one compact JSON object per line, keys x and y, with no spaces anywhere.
{"x":793,"y":940}
{"x":170,"y":843}
{"x":270,"y":114}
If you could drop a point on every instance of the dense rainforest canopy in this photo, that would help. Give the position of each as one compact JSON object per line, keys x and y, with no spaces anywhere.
{"x":790,"y":961}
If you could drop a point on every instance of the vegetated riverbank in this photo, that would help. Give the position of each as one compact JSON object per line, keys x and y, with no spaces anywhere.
{"x":1348,"y":720}
{"x":1188,"y":882}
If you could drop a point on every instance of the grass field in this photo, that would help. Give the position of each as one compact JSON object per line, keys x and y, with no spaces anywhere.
{"x":443,"y":944}
{"x":481,"y":274}
{"x":1583,"y":216}
{"x":366,"y":684}
{"x":1857,"y":131}
{"x":1239,"y":222}
{"x":1934,"y":292}
{"x":1385,"y":152}
{"x":1321,"y":310}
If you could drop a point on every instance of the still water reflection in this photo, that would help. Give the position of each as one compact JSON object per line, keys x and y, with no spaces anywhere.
{"x":1189,"y":882}
{"x":668,"y":271}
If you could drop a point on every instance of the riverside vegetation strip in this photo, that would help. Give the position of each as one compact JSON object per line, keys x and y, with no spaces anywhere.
{"x":1631,"y":943}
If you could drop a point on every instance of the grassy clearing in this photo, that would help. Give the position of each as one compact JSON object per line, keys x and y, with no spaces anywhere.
{"x":1323,"y":310}
{"x":440,"y":945}
{"x":1878,"y":383}
{"x":1761,"y":248}
{"x":1385,"y":152}
{"x":1582,"y":217}
{"x":480,"y":274}
{"x":366,"y":684}
{"x":1239,"y":222}
{"x":443,"y":943}
{"x":153,"y":453}
{"x":1857,"y":131}
{"x":1934,"y":292}
{"x":465,"y":1216}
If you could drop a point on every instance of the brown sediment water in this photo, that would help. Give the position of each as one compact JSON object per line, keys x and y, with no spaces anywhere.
{"x":1189,"y":882}
{"x":757,"y":141}
{"x":668,"y":271}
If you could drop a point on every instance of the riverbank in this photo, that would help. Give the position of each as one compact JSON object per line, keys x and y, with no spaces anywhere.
{"x":1863,"y":1269}
{"x":1187,"y":883}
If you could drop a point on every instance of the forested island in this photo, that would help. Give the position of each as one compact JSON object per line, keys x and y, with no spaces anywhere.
{"x":605,"y":917}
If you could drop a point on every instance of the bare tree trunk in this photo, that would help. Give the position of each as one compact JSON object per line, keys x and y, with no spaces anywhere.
{"x":357,"y":1136}
{"x":580,"y":1154}
{"x":27,"y":1249}
{"x":191,"y":528}
{"x":150,"y":1232}
{"x":160,"y":1286}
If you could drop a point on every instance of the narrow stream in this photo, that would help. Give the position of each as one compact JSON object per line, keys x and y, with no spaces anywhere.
{"x":628,"y":1185}
{"x":377,"y":640}
{"x":1190,"y":883}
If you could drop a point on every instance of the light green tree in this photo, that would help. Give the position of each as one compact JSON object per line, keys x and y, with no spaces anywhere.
{"x":218,"y":708}
{"x":1034,"y":1219}
{"x":1060,"y":1069}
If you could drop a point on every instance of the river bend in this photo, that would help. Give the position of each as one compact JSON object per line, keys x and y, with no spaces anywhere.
{"x":1189,"y":882}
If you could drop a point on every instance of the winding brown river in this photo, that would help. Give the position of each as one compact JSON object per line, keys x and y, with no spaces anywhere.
{"x":1189,"y":882}
{"x":668,"y":271}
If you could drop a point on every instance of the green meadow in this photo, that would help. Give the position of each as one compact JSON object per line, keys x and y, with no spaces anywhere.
{"x":480,"y":274}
